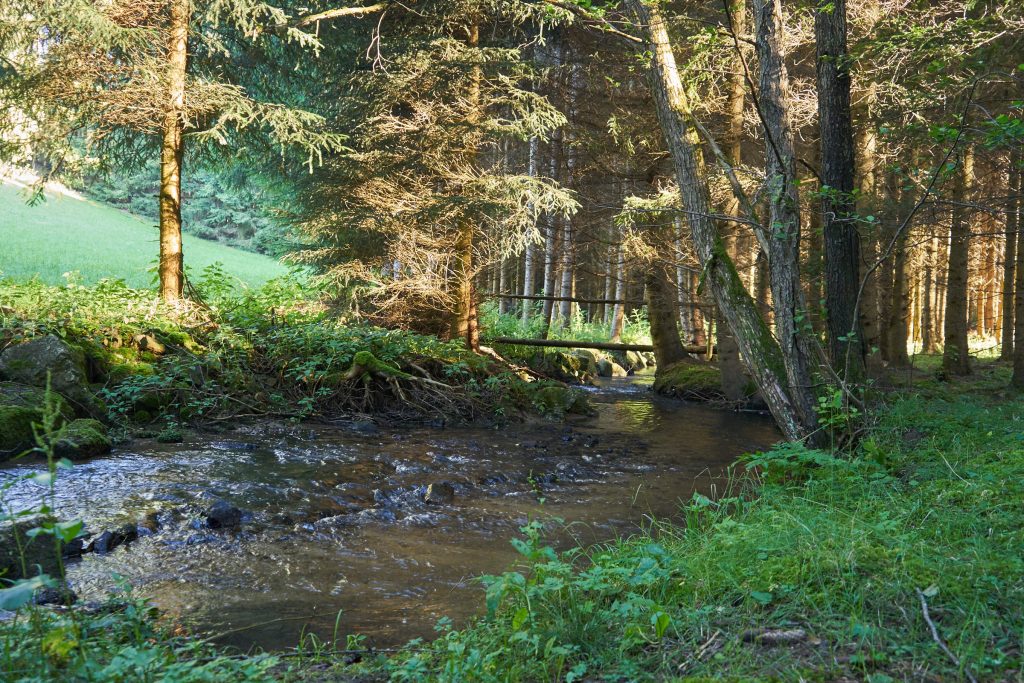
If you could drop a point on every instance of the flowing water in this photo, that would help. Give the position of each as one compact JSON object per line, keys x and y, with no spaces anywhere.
{"x":336,"y":520}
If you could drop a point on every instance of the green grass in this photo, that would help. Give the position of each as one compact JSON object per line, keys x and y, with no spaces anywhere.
{"x":843,"y":548}
{"x":65,"y":234}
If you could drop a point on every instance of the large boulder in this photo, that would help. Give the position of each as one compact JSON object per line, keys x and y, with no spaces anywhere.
{"x":31,"y":362}
{"x":635,"y":361}
{"x":26,"y":396}
{"x":16,"y":434}
{"x":609,"y":368}
{"x":588,"y":361}
{"x":82,"y":439}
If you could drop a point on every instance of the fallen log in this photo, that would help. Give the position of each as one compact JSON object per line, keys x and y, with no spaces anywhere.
{"x":602,"y":346}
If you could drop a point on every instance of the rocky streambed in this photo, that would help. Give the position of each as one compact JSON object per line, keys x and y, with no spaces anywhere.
{"x":273,"y":530}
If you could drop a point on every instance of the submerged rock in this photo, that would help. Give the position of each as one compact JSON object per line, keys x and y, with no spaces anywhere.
{"x":223,"y":515}
{"x":559,"y":400}
{"x":109,"y":540}
{"x":55,"y":596}
{"x":441,"y":493}
{"x":365,"y":427}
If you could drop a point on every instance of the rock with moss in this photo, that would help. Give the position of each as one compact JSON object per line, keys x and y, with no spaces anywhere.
{"x":557,"y":400}
{"x":691,"y":380}
{"x":26,"y":396}
{"x":16,"y":434}
{"x":48,"y":358}
{"x":609,"y":368}
{"x":82,"y":439}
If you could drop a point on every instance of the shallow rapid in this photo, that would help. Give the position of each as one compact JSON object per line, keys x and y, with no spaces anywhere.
{"x":335,"y":519}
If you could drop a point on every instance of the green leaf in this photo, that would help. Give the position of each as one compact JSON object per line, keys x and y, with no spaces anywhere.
{"x":762,"y":598}
{"x":21,"y":592}
{"x":522,"y":614}
{"x":661,"y":622}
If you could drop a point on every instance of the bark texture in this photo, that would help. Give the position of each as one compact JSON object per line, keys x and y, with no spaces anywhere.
{"x":172,"y":265}
{"x":842,"y":242}
{"x":955,"y":353}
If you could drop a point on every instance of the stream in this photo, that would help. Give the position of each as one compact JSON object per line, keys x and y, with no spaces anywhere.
{"x":335,"y":518}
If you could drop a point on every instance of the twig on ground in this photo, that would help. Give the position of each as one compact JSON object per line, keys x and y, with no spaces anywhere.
{"x":938,"y":640}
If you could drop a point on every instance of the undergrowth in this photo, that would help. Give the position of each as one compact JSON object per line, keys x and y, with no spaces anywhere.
{"x":277,"y":350}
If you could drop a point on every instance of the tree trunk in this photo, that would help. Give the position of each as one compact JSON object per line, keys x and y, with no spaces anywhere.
{"x":842,"y":243}
{"x":172,"y":265}
{"x":619,"y":310}
{"x":897,"y":325}
{"x":733,"y":379}
{"x":760,"y":351}
{"x":531,"y":246}
{"x":1017,"y":189}
{"x":1010,"y":255}
{"x":464,"y":319}
{"x":783,"y":238}
{"x":955,"y":353}
{"x":668,"y":347}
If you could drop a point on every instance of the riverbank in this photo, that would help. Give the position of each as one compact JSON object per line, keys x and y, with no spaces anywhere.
{"x":121,"y":357}
{"x":901,"y":561}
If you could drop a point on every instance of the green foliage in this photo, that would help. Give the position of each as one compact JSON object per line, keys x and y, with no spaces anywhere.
{"x":273,"y":350}
{"x":91,"y":241}
{"x":636,"y":329}
{"x":836,"y":546}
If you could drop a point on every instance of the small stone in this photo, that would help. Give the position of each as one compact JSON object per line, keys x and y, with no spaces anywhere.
{"x":109,"y":540}
{"x":441,"y":493}
{"x":149,"y":342}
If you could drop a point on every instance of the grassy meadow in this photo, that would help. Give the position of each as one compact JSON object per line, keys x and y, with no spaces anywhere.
{"x":65,"y":234}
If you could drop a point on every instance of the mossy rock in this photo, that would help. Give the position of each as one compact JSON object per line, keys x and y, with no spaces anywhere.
{"x":16,"y":434}
{"x":557,"y":400}
{"x":690,"y":380}
{"x":15,"y":394}
{"x":83,"y":439}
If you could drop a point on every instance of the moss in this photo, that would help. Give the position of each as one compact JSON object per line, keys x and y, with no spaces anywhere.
{"x":375,"y":366}
{"x":688,"y":379}
{"x":556,"y":400}
{"x":16,"y":435}
{"x":83,"y":439}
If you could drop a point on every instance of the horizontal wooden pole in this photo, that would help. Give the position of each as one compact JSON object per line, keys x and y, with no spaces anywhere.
{"x":569,"y":344}
{"x":603,"y":346}
{"x":532,"y":297}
